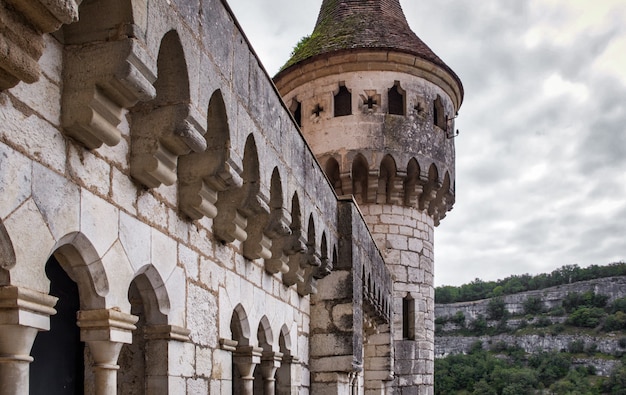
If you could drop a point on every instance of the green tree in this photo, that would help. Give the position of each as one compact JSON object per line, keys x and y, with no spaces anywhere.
{"x":586,"y":317}
{"x":533,"y":305}
{"x":496,"y":309}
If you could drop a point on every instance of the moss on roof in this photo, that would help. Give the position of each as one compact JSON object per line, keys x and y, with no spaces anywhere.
{"x":368,"y":24}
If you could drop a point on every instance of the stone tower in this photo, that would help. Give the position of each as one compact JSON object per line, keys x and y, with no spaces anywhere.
{"x":377,"y":107}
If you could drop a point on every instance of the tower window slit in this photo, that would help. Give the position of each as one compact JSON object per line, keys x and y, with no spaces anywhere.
{"x":343,"y":102}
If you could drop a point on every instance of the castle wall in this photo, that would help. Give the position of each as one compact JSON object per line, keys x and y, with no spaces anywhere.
{"x":98,"y":164}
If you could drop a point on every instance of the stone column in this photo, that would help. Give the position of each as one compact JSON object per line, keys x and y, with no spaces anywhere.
{"x":105,"y":332}
{"x":246,"y":358}
{"x":160,"y":339}
{"x":23,"y":313}
{"x":289,"y":373}
{"x":270,"y":362}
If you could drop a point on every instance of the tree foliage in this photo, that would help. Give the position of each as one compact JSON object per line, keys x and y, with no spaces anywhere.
{"x":479,"y":289}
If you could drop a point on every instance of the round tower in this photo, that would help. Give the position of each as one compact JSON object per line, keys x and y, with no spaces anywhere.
{"x":377,"y":107}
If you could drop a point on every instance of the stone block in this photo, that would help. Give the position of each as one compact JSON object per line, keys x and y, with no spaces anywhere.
{"x":181,"y":359}
{"x":190,"y":260}
{"x":204,"y":362}
{"x":197,"y":386}
{"x":99,"y":221}
{"x":176,"y":289}
{"x":136,"y":238}
{"x":152,"y":210}
{"x":222,"y":365}
{"x":397,"y":242}
{"x":119,"y":273}
{"x":43,"y":97}
{"x":332,"y":344}
{"x":34,"y":136}
{"x":15,"y":179}
{"x":163,"y":253}
{"x":202,"y":316}
{"x":91,"y":171}
{"x":123,"y":191}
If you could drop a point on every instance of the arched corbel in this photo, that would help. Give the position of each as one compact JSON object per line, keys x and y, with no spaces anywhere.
{"x":22,"y":26}
{"x":107,"y":69}
{"x":168,"y":126}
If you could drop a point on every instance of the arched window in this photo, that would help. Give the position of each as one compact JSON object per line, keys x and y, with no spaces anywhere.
{"x":395,"y":96}
{"x":343,"y":101}
{"x":439,"y":113}
{"x":296,"y":111}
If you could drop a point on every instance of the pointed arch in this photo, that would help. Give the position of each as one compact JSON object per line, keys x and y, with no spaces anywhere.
{"x":203,"y":174}
{"x":396,"y":99}
{"x":240,"y":326}
{"x":343,"y":101}
{"x":334,"y":175}
{"x":236,"y":205}
{"x":265,"y":336}
{"x":251,"y":176}
{"x":79,"y":259}
{"x":360,"y":178}
{"x":166,"y":127}
{"x":155,"y":299}
{"x":411,"y":192}
{"x":277,"y":228}
{"x":285,"y":375}
{"x":439,"y":113}
{"x":431,"y":187}
{"x":296,"y":213}
{"x":386,"y":181}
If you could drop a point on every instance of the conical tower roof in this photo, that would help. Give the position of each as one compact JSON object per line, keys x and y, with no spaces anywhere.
{"x":345,"y":25}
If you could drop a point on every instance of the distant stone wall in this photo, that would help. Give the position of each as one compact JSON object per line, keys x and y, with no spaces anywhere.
{"x":448,"y":345}
{"x":614,"y":287}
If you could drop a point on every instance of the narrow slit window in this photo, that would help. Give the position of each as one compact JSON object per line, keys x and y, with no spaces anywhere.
{"x":297,"y":112}
{"x":439,"y":117}
{"x":343,"y":102}
{"x":396,"y":100}
{"x":408,"y":318}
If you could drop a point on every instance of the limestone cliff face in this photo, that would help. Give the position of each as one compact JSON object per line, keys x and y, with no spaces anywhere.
{"x":446,"y":343}
{"x":614,"y":287}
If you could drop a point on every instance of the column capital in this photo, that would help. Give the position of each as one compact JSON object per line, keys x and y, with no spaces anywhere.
{"x":25,"y":307}
{"x":106,"y":325}
{"x":167,"y":332}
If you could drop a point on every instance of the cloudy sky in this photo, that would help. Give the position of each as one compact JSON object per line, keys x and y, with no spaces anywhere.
{"x":541,"y":159}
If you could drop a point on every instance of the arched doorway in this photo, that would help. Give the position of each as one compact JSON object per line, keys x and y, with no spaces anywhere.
{"x":58,"y":367}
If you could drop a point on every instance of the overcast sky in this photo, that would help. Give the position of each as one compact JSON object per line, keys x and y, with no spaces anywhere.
{"x":541,"y":158}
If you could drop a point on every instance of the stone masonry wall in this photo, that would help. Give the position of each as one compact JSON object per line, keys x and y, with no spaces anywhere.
{"x":405,"y":237}
{"x":78,"y":199}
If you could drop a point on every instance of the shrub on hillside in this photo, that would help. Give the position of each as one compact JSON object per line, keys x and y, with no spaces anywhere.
{"x":586,"y":317}
{"x":533,"y":305}
{"x":615,"y":322}
{"x":574,"y":300}
{"x":576,"y":347}
{"x":496,"y":309}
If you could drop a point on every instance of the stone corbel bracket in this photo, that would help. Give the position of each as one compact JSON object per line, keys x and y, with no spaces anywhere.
{"x":296,"y":249}
{"x":310,"y":265}
{"x":101,"y":80}
{"x":159,"y":136}
{"x":237,"y":205}
{"x":22,"y":25}
{"x":279,"y":232}
{"x":201,"y":177}
{"x":258,"y":244}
